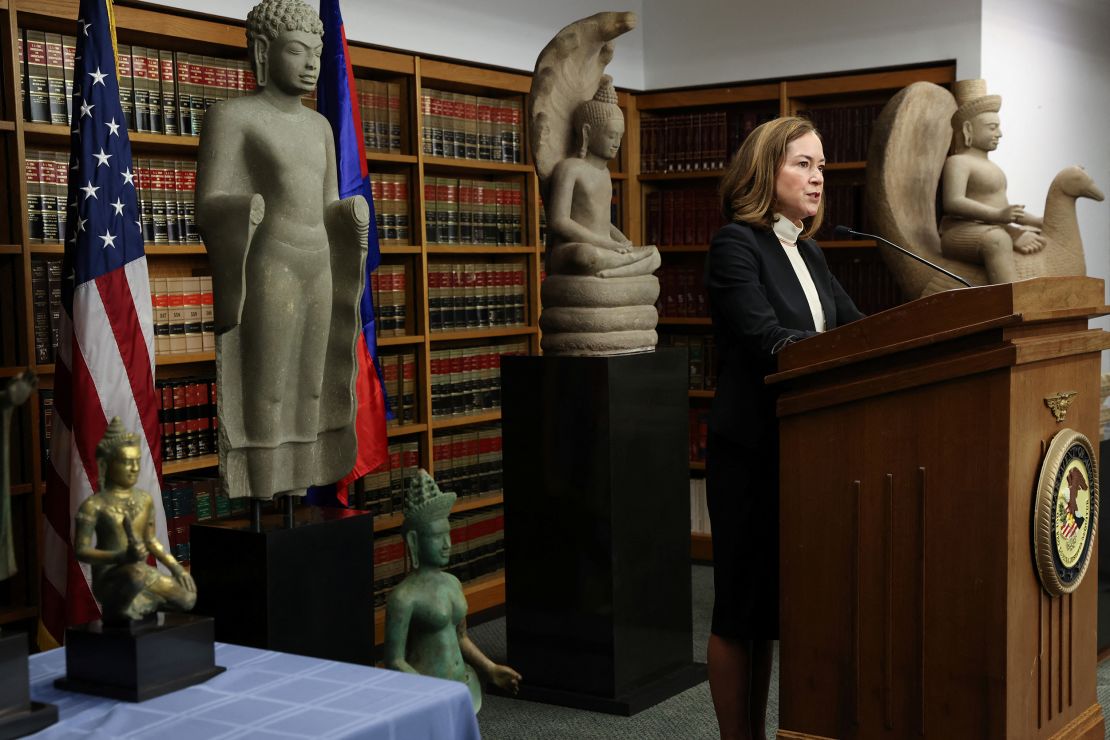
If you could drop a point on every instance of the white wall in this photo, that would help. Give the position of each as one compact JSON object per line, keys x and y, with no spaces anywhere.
{"x":710,"y":41}
{"x":503,"y":33}
{"x":1050,"y":62}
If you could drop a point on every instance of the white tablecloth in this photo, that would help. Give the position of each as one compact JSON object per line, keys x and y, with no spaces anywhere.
{"x":264,"y":694}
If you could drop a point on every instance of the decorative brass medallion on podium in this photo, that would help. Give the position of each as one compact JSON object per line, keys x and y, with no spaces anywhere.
{"x":1065,"y":514}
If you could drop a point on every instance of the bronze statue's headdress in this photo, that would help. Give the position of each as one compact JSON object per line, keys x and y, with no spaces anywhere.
{"x":424,"y":502}
{"x":115,"y":437}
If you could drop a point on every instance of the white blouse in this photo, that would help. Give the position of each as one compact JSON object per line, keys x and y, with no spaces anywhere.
{"x":788,"y":232}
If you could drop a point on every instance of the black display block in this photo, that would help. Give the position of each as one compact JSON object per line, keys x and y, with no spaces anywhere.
{"x":597,"y":529}
{"x":306,"y":590}
{"x":19,"y":715}
{"x":142,"y":660}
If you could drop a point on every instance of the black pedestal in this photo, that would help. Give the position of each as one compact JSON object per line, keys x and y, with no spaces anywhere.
{"x":597,"y":529}
{"x":306,"y":590}
{"x":142,"y":661}
{"x":19,"y":715}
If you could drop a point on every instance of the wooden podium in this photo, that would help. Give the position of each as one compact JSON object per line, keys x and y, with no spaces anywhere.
{"x":912,"y":442}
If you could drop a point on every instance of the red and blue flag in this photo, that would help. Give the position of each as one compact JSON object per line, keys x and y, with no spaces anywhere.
{"x":337,"y":100}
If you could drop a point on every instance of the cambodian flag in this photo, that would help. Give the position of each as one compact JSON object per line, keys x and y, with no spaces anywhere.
{"x":337,"y":100}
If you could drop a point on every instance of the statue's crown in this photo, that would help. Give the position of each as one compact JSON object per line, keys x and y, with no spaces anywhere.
{"x":972,"y":99}
{"x":117,"y":435}
{"x":424,"y":502}
{"x":606,"y":93}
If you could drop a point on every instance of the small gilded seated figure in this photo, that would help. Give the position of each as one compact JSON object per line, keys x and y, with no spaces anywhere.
{"x":583,"y":240}
{"x":425,"y":615}
{"x":122,"y":520}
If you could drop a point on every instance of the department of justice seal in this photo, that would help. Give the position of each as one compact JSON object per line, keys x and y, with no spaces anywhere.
{"x":1065,"y":513}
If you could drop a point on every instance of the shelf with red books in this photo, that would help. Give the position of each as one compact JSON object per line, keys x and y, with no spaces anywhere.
{"x":185,"y":465}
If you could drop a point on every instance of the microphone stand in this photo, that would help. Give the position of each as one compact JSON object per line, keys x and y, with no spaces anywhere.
{"x":844,"y":231}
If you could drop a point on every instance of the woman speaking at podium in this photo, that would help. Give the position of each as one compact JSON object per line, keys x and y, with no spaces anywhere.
{"x":768,"y":285}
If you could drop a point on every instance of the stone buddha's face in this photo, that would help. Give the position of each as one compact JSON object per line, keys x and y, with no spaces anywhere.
{"x":293,"y":61}
{"x":123,"y":470}
{"x":604,"y":139}
{"x":983,"y":131}
{"x":434,"y":543}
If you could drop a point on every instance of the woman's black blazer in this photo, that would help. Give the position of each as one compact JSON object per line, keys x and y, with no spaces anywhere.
{"x":758,"y":306}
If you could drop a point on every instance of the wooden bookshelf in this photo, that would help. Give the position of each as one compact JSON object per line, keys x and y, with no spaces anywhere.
{"x":188,"y":464}
{"x":747,"y":103}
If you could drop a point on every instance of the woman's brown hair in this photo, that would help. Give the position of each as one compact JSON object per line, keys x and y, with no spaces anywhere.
{"x":747,"y":188}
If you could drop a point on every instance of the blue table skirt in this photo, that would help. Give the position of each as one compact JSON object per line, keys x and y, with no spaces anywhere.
{"x":264,"y":694}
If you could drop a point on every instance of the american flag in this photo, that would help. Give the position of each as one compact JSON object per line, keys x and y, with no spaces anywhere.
{"x":105,"y":359}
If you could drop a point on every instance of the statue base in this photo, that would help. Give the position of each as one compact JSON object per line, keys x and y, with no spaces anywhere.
{"x":19,"y":715}
{"x":140,"y":661}
{"x":597,"y":536}
{"x":307,"y":590}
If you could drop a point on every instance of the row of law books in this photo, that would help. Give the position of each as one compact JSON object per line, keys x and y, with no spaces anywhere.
{"x":701,"y":353}
{"x":477,"y":550}
{"x":682,"y":292}
{"x":380,"y":109}
{"x":474,"y":295}
{"x":183,"y":315}
{"x":399,"y":379}
{"x":462,"y":126}
{"x":845,"y":130}
{"x":164,"y":188}
{"x":865,"y":278}
{"x":699,"y":433}
{"x":468,"y":462}
{"x":387,"y":289}
{"x":382,"y":492}
{"x":46,"y":75}
{"x":679,"y":217}
{"x":844,"y":204}
{"x":461,"y":211}
{"x":46,"y":306}
{"x":391,"y":208}
{"x":467,"y":381}
{"x":187,"y":416}
{"x":699,"y":508}
{"x":692,"y":142}
{"x":188,"y":499}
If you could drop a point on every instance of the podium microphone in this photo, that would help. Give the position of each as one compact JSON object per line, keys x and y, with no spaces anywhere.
{"x":843,"y":232}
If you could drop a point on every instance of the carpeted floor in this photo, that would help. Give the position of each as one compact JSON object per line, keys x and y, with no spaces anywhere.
{"x":687,"y":716}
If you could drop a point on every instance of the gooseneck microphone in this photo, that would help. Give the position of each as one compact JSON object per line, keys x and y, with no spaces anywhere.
{"x":843,"y":232}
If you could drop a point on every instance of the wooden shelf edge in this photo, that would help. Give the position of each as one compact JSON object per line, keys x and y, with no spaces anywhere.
{"x":509,"y":331}
{"x":399,"y":249}
{"x":173,"y":467}
{"x":478,"y":164}
{"x":401,"y":341}
{"x":461,"y":421}
{"x":184,"y":359}
{"x":682,"y":248}
{"x":846,"y":243}
{"x":7,"y":125}
{"x":481,"y":594}
{"x":142,"y":138}
{"x":700,"y":393}
{"x":9,"y":614}
{"x":685,"y":321}
{"x":406,"y":429}
{"x":21,"y":489}
{"x":372,"y":157}
{"x":478,"y":249}
{"x":11,"y":249}
{"x":694,"y":465}
{"x":693,"y":175}
{"x":701,"y":547}
{"x":845,"y":165}
{"x":10,"y":371}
